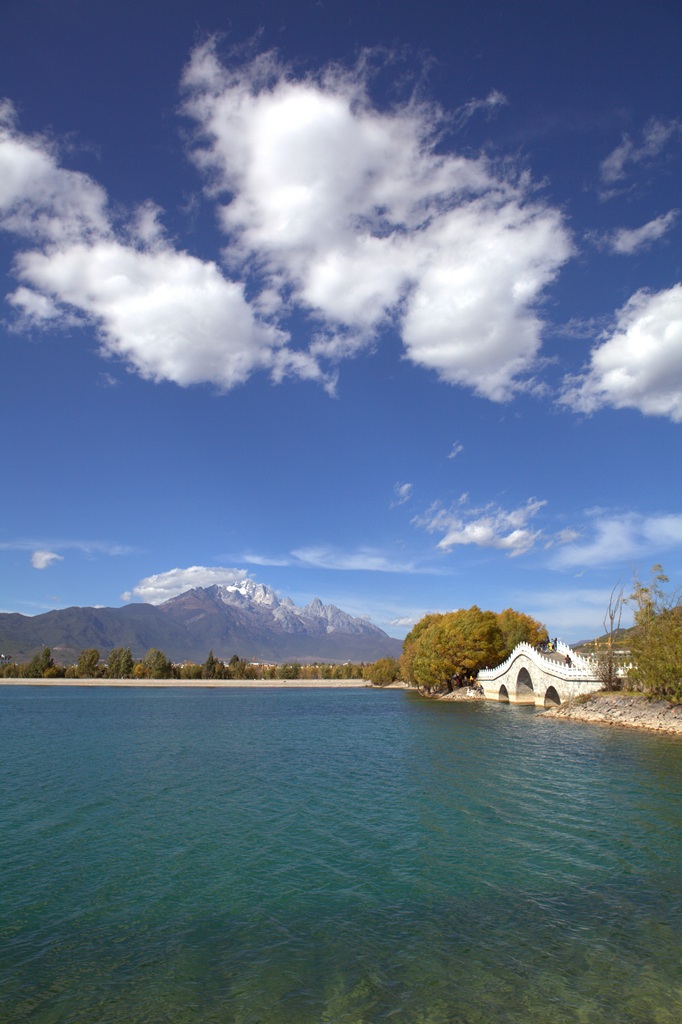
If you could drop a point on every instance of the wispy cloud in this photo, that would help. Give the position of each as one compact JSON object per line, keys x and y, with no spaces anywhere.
{"x":87,"y":547}
{"x":403,"y":493}
{"x":254,"y":559}
{"x":321,"y":556}
{"x":627,"y":241}
{"x":617,"y":538}
{"x":488,"y":526}
{"x":456,"y":450}
{"x":655,"y":137}
{"x":360,"y":560}
{"x":492,"y":102}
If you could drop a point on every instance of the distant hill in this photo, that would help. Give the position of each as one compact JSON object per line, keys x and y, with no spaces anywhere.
{"x":621,"y":641}
{"x":247,"y":619}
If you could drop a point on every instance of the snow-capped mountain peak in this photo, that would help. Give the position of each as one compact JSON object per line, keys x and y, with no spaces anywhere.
{"x":250,"y":592}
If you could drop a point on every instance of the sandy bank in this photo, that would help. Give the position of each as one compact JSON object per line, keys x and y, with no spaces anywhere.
{"x":201,"y":684}
{"x":631,"y":711}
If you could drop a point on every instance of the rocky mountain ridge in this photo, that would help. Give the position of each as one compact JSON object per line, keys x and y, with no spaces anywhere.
{"x":245,"y":618}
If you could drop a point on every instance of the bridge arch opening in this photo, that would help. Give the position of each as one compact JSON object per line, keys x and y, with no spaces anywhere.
{"x":552,"y":698}
{"x":524,"y":687}
{"x":503,"y":695}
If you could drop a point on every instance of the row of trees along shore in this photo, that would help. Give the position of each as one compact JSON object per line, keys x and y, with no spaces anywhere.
{"x":441,"y":653}
{"x":120,"y":664}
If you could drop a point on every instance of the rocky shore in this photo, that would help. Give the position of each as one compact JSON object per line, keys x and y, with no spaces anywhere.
{"x":631,"y":711}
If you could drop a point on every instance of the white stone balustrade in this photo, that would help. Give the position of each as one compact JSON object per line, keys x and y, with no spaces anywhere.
{"x":530,"y":677}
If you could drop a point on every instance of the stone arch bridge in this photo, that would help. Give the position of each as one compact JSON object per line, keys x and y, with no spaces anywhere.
{"x":529,"y":677}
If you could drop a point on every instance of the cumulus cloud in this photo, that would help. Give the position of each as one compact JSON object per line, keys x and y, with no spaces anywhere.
{"x":352,"y":214}
{"x":620,"y":538}
{"x":331,"y":208}
{"x":655,"y":137}
{"x":627,"y":241}
{"x":168,"y":314}
{"x":490,"y":526}
{"x":165,"y":585}
{"x":43,"y":559}
{"x":639,"y":364}
{"x":39,"y":199}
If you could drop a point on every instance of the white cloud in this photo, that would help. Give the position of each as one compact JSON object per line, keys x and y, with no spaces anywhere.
{"x":363,"y":560}
{"x":336,"y":210}
{"x":168,"y":314}
{"x":627,"y":241}
{"x":655,"y":137}
{"x":43,"y":559}
{"x":35,"y":308}
{"x":405,"y":620}
{"x":403,"y":493}
{"x":621,"y":538}
{"x":490,"y":526}
{"x":40,"y":200}
{"x":456,"y":450}
{"x":255,"y":559}
{"x":87,"y":547}
{"x":639,"y":366}
{"x":353,"y":214}
{"x":165,"y":585}
{"x":493,"y":100}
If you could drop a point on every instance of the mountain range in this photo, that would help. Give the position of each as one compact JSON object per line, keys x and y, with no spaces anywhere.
{"x":245,"y":618}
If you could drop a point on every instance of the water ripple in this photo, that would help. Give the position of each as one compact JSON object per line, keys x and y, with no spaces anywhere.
{"x":341,"y":856}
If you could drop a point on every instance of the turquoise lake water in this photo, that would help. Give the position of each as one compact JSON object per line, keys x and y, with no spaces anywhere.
{"x":332,"y":857}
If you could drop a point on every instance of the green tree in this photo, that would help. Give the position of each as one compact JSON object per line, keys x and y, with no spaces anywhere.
{"x":191,"y":671}
{"x":155,"y":665}
{"x":212,"y":668}
{"x":382,"y":672}
{"x":87,"y":665}
{"x":516,"y":628}
{"x":656,"y":643}
{"x":236,"y":668}
{"x":291,"y":670}
{"x":455,"y":646}
{"x":411,"y":645}
{"x":120,"y":663}
{"x":40,"y":664}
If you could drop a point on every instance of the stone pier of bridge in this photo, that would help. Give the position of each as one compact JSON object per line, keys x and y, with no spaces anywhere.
{"x":529,"y":676}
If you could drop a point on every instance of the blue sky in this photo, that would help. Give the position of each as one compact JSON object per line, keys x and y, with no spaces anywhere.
{"x":379,"y":303}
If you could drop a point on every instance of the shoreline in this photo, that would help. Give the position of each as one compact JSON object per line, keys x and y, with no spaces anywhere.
{"x":202,"y":684}
{"x":626,"y":710}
